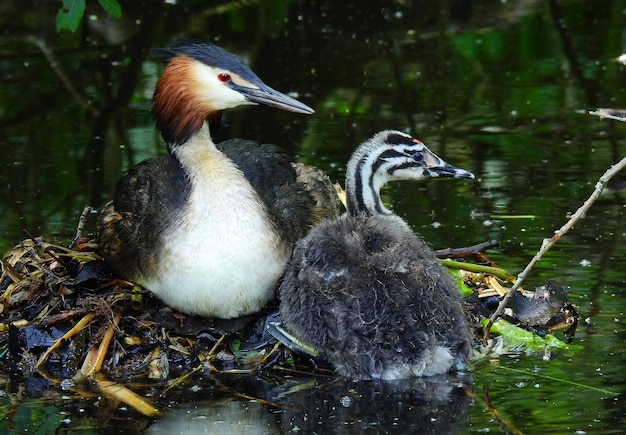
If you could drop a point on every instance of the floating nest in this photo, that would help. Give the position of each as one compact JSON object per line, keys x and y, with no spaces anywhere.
{"x":65,"y":317}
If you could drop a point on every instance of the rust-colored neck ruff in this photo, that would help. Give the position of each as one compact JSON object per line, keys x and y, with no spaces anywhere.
{"x":177,"y":109}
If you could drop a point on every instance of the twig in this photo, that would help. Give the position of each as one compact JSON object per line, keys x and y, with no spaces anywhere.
{"x":263,"y":401}
{"x":561,"y":380}
{"x":81,"y":224}
{"x":95,"y":356}
{"x":65,"y":80}
{"x":199,"y":367}
{"x":59,"y":341}
{"x":547,"y":243}
{"x":468,"y":251}
{"x":478,"y":268}
{"x":124,"y":394}
{"x":62,"y":317}
{"x":508,"y":427}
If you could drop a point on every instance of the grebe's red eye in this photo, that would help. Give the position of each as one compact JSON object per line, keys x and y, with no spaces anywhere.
{"x":223,"y":77}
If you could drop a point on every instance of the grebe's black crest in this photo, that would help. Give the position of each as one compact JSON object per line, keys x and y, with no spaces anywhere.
{"x":208,"y":54}
{"x":201,"y":80}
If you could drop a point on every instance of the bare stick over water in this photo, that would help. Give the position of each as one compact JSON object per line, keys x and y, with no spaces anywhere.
{"x":547,"y":243}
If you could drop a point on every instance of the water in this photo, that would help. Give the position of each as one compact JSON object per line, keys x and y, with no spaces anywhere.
{"x":498,"y":88}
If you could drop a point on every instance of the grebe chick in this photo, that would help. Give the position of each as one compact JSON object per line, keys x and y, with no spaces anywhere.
{"x":208,"y":228}
{"x":363,"y":290}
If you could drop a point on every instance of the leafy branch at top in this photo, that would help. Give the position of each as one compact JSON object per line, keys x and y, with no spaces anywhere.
{"x":72,"y":11}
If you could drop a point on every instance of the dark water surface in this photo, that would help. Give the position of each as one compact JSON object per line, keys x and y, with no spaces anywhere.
{"x":501,"y":88}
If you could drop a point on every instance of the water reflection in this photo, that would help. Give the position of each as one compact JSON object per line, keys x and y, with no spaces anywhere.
{"x":231,"y":416}
{"x":429,"y":405}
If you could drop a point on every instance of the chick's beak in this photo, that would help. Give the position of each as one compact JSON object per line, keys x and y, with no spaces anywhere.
{"x":446,"y":170}
{"x":435,"y":166}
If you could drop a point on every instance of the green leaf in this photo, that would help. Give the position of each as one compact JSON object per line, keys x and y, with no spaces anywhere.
{"x":111,"y":7}
{"x":458,"y":280}
{"x":70,"y":14}
{"x":514,"y":335}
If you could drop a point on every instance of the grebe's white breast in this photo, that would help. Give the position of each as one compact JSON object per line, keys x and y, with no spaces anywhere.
{"x":221,"y":256}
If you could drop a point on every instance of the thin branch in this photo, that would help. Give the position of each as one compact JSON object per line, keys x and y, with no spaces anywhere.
{"x":81,"y":224}
{"x":547,"y":243}
{"x":477,"y":268}
{"x":60,"y":72}
{"x":468,"y":251}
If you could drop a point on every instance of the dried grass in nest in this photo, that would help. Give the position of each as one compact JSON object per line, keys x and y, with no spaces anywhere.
{"x":64,"y":317}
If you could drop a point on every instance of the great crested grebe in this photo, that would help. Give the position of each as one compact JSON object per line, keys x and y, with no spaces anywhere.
{"x":209,"y":228}
{"x":363,"y":290}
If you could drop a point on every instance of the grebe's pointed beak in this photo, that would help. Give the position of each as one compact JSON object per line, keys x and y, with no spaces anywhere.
{"x":446,"y":170}
{"x":270,"y":97}
{"x":435,"y":166}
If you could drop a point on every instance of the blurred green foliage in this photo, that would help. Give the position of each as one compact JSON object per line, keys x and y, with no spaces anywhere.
{"x":72,"y":11}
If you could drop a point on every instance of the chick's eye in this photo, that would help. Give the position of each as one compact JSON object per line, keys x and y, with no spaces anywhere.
{"x":223,"y":77}
{"x":417,"y":156}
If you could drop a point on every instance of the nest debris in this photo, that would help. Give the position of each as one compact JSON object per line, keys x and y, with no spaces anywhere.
{"x":66,"y":317}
